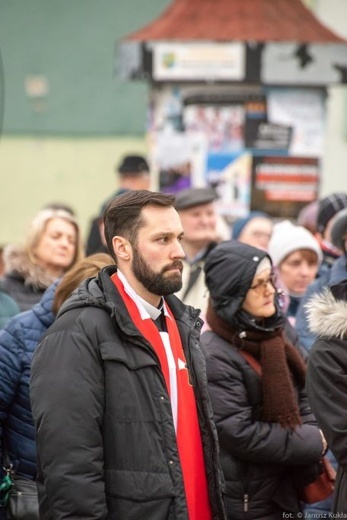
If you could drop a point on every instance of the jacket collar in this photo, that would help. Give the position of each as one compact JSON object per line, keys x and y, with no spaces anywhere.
{"x":326,"y":315}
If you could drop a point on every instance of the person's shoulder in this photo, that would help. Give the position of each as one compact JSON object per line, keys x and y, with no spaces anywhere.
{"x":326,"y":315}
{"x":11,"y":280}
{"x":327,"y":355}
{"x":181,"y":309}
{"x":8,"y":308}
{"x":7,"y":304}
{"x":83,"y":317}
{"x":19,"y":333}
{"x":338,"y":271}
{"x":215,"y":346}
{"x":22,"y":325}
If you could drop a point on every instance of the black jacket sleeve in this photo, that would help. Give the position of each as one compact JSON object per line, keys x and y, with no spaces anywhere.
{"x":68,"y":371}
{"x":326,"y":385}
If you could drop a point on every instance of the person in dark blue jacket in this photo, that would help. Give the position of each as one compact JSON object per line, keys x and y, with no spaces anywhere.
{"x":335,"y":274}
{"x":333,"y":268}
{"x":18,"y":340}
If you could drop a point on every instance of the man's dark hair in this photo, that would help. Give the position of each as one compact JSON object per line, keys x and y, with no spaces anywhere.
{"x":123,"y":214}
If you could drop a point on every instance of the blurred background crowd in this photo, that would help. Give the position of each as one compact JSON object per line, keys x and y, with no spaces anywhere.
{"x":75,"y":135}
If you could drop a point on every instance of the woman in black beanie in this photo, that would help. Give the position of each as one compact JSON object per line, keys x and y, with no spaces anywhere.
{"x":270,"y":443}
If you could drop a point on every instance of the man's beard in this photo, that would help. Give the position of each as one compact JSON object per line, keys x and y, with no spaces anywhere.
{"x":157,"y":283}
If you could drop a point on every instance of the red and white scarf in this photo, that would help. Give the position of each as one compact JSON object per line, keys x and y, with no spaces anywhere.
{"x":189,"y":441}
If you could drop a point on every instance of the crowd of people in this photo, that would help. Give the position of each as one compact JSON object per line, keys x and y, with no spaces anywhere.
{"x":172,"y":367}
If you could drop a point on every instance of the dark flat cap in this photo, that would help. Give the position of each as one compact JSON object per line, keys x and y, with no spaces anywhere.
{"x":194,"y":197}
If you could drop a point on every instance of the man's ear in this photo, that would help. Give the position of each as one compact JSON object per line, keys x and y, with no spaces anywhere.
{"x":121,"y":248}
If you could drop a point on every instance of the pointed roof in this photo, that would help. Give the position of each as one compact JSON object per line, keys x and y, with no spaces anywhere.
{"x":237,"y":20}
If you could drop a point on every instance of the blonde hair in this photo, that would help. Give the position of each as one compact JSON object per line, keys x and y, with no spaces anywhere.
{"x":86,"y":268}
{"x":38,"y":226}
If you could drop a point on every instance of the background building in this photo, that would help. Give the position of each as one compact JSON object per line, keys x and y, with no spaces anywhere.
{"x":67,"y":118}
{"x":238,"y":99}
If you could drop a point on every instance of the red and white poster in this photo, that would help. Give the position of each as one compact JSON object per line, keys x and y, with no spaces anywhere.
{"x":282,"y":185}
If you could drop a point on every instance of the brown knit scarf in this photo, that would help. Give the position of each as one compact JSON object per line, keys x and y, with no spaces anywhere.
{"x":280,"y":363}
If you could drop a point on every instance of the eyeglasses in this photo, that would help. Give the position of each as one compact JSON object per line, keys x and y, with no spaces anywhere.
{"x":262,"y":284}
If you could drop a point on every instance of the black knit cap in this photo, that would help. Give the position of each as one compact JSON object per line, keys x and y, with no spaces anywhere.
{"x":339,"y":229}
{"x":229,"y":270}
{"x":133,"y":164}
{"x":328,"y":207}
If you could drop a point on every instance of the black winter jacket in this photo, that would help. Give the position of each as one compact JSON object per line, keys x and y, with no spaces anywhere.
{"x":327,"y":381}
{"x":264,"y":464}
{"x":105,"y":436}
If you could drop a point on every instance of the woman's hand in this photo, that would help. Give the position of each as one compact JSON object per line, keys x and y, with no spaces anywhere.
{"x":325,"y":444}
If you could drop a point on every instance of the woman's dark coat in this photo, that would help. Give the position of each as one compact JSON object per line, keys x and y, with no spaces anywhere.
{"x":327,"y":381}
{"x":264,"y":464}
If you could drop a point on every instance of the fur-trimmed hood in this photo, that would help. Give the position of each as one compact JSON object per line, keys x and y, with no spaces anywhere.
{"x":326,"y":315}
{"x":18,"y":264}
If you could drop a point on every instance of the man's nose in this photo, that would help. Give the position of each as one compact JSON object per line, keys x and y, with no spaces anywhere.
{"x":178,"y":251}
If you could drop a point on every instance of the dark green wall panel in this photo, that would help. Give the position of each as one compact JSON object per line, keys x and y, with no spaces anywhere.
{"x":73,"y":44}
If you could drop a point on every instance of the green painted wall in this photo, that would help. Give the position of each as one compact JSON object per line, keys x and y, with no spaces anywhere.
{"x":36,"y":171}
{"x":72,"y":43}
{"x":65,"y":145}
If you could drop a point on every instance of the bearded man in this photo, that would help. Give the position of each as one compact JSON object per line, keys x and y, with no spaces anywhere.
{"x":118,"y":387}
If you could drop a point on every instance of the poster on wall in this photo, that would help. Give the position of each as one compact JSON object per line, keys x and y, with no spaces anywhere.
{"x":178,"y":160}
{"x":262,"y":134}
{"x":230,"y":174}
{"x":303,"y":110}
{"x":222,"y":126}
{"x":281,"y":186}
{"x":199,"y":61}
{"x":261,"y":151}
{"x":224,"y":163}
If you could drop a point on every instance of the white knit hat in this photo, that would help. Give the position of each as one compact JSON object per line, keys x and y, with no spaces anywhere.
{"x":287,"y":238}
{"x":264,"y":264}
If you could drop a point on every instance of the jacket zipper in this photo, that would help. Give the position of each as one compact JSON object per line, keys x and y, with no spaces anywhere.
{"x":24,"y":493}
{"x":245,"y":503}
{"x":190,"y":368}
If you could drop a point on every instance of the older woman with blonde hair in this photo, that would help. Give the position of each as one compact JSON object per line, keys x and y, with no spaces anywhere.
{"x":52,"y":246}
